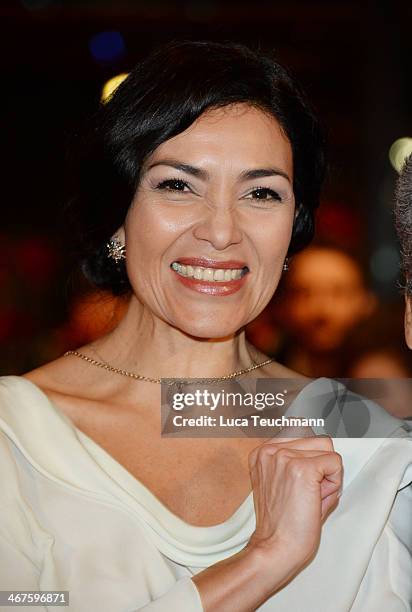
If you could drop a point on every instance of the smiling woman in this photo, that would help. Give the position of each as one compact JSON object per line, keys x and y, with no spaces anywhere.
{"x":195,"y":181}
{"x":157,"y":112}
{"x":227,"y":212}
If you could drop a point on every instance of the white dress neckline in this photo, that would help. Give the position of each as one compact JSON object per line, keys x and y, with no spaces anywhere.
{"x":124,"y":475}
{"x":55,"y":447}
{"x":97,"y":473}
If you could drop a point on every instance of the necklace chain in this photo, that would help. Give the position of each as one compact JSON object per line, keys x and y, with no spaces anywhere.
{"x":110,"y":368}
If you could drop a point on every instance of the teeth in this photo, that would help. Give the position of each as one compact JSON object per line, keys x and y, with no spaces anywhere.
{"x":208,"y":274}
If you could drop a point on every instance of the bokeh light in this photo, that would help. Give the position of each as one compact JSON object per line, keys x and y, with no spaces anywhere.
{"x":112,"y":84}
{"x":399,"y":151}
{"x":107,"y":47}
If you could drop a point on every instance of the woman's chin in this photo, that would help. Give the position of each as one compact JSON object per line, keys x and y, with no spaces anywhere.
{"x":208,"y":330}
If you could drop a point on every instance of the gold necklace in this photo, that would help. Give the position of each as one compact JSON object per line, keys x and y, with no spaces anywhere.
{"x":110,"y":368}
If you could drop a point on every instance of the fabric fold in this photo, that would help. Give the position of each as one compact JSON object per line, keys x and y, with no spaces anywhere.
{"x":127,"y":536}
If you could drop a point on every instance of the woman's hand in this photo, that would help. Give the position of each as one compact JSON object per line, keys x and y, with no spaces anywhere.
{"x":296,"y":483}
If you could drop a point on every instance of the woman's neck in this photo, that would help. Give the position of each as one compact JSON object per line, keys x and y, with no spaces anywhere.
{"x":147,"y":345}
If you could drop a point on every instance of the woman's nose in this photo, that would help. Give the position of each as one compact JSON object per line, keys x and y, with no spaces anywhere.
{"x":220,"y":227}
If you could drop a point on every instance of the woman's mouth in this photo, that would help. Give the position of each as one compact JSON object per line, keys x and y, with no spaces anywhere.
{"x":210,"y":279}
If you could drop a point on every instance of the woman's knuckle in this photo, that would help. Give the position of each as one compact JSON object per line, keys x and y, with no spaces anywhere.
{"x":268,"y":450}
{"x":283,"y":456}
{"x":297,"y":467}
{"x":327,"y":442}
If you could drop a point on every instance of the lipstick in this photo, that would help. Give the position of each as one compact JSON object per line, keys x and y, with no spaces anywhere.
{"x":210,"y":287}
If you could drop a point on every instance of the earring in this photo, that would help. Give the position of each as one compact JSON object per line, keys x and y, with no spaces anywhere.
{"x":286,"y":265}
{"x":115,"y":249}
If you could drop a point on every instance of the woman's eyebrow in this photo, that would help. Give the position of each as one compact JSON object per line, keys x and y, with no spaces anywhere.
{"x":197,"y":172}
{"x":203,"y":174}
{"x":262,"y":173}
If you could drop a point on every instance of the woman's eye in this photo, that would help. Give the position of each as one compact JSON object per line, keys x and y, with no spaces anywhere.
{"x":264,"y":193}
{"x":172,"y":185}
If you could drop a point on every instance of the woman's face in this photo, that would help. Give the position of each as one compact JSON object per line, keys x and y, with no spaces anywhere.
{"x":214,"y":203}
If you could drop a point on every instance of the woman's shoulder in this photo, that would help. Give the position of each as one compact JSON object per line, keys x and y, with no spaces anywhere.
{"x":63,"y":376}
{"x":36,"y":383}
{"x":66,"y":389}
{"x":21,"y":403}
{"x":63,"y":384}
{"x":34,"y":386}
{"x":28,"y":399}
{"x":26,"y":420}
{"x":18,"y":390}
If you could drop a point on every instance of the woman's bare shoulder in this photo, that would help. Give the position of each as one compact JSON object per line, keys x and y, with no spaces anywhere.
{"x":61,"y":374}
{"x":67,"y":378}
{"x":73,"y":384}
{"x":68,"y":374}
{"x":59,"y":381}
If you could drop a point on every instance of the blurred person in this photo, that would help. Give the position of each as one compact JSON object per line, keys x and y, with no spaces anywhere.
{"x":378,"y":351}
{"x":323,"y":299}
{"x":202,"y":174}
{"x":386,"y":369}
{"x":383,"y":362}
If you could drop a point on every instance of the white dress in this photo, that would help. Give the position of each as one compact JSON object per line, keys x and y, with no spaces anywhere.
{"x":72,"y":518}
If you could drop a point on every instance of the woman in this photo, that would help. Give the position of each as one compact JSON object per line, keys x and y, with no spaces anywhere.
{"x":206,"y":160}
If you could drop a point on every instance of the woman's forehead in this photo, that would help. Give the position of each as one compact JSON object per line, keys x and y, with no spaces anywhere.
{"x":239,"y":132}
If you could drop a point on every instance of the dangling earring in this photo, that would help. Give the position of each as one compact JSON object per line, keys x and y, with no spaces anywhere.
{"x":286,"y":265}
{"x":115,"y":249}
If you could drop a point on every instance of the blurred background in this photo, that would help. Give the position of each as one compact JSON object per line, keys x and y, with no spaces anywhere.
{"x":339,"y":309}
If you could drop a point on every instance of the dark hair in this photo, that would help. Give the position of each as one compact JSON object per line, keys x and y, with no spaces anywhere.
{"x":162,"y":96}
{"x":403,"y":221}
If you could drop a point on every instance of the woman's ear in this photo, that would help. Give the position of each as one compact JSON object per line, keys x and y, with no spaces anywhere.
{"x":408,"y":321}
